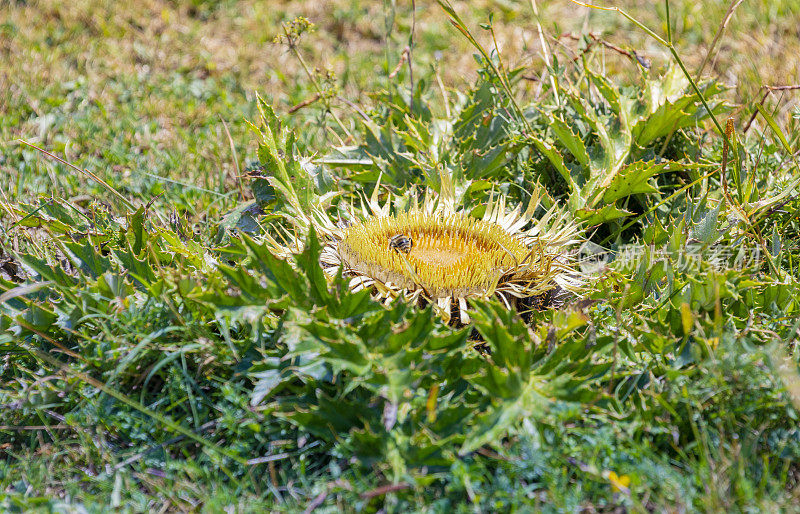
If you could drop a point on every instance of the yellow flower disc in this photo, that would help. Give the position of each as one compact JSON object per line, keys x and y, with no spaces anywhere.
{"x":454,"y":255}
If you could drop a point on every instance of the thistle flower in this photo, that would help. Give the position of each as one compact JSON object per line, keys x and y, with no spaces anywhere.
{"x":448,"y":256}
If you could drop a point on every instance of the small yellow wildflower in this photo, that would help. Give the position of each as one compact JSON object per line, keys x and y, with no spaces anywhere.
{"x":618,"y":483}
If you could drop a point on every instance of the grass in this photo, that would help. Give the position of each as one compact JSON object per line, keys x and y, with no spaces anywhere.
{"x":160,"y":357}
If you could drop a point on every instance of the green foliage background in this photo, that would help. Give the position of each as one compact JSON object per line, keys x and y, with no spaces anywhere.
{"x":156,"y":355}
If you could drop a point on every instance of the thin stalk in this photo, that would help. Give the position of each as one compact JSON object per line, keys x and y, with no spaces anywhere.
{"x":458,"y":23}
{"x":410,"y":50}
{"x":545,"y":51}
{"x":235,"y":157}
{"x":88,"y":173}
{"x":699,"y":72}
{"x":443,"y":90}
{"x":293,"y":46}
{"x":725,"y":149}
{"x":720,"y":30}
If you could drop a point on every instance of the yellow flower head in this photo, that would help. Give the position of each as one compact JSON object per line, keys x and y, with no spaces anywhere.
{"x":430,"y":252}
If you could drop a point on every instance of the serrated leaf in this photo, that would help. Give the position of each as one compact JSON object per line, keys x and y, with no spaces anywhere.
{"x":137,"y":227}
{"x":592,"y":217}
{"x":608,"y":91}
{"x":556,"y":159}
{"x":634,"y":179}
{"x":89,"y":258}
{"x":265,"y":382}
{"x":492,"y":426}
{"x":571,"y":141}
{"x":675,"y":113}
{"x":706,"y":229}
{"x":614,"y":135}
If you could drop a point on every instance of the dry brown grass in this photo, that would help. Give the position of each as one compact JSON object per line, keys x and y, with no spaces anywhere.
{"x":56,"y":41}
